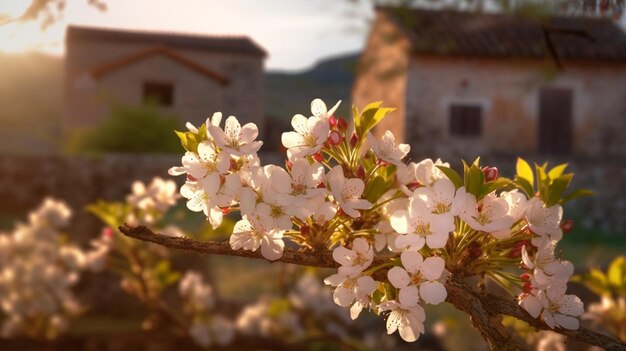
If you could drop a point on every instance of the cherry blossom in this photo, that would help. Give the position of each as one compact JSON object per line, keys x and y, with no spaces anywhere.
{"x":350,"y":288}
{"x":308,"y":137}
{"x":426,"y":171}
{"x":544,"y":221}
{"x":347,"y":192}
{"x":387,"y":150}
{"x":199,"y":201}
{"x":442,"y":198}
{"x":420,"y":226}
{"x":250,"y":234}
{"x":206,"y":166}
{"x":517,"y":203}
{"x":557,"y":308}
{"x":235,"y":139}
{"x":354,"y":261}
{"x":489,"y":215}
{"x":407,"y":320}
{"x":545,"y":267}
{"x":319,"y":110}
{"x":418,"y":278}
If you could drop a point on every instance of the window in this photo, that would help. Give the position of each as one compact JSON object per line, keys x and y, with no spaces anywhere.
{"x":465,"y":120}
{"x":161,"y":94}
{"x":555,"y":121}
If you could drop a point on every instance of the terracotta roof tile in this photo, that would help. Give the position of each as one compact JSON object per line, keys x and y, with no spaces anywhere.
{"x":500,"y":35}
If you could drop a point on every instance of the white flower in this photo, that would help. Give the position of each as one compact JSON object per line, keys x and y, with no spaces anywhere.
{"x":489,"y":215}
{"x":546,"y":268}
{"x":298,"y":190}
{"x":405,"y":175}
{"x":210,"y":121}
{"x":350,"y":288}
{"x":354,"y":261}
{"x":159,"y":195}
{"x":223,"y":330}
{"x":250,"y":234}
{"x":308,"y":137}
{"x":544,"y":221}
{"x":442,"y":198}
{"x":318,"y":109}
{"x":558,"y":309}
{"x":205,"y":166}
{"x":418,"y":273}
{"x":198,"y":295}
{"x":347,"y":192}
{"x":387,"y":150}
{"x":426,"y":171}
{"x":420,"y":226}
{"x":199,"y":201}
{"x":517,"y":203}
{"x":408,"y":321}
{"x":235,"y":139}
{"x":325,"y":211}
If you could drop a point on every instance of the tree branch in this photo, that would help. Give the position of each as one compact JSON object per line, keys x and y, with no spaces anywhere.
{"x":485,"y":310}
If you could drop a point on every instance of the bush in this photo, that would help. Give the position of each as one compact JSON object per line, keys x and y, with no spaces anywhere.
{"x":133,"y":129}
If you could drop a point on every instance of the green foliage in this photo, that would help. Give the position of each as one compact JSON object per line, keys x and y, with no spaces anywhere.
{"x":111,"y":213}
{"x":606,"y":284}
{"x":452,"y":175}
{"x":133,"y":129}
{"x":474,"y":180}
{"x":367,"y":119}
{"x":190,"y":140}
{"x":551,"y":184}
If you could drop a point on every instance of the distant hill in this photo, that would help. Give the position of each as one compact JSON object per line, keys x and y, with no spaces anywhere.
{"x":31,"y":98}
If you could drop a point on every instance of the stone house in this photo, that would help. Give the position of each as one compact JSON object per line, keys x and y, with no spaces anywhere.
{"x":186,"y":75}
{"x":486,"y":84}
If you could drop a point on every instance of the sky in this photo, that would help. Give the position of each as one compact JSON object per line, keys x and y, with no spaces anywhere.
{"x":296,"y":33}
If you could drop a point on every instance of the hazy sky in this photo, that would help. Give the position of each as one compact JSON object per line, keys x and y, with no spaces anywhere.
{"x":296,"y":33}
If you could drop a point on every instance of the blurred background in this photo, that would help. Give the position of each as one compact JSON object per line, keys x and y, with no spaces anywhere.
{"x":91,"y":91}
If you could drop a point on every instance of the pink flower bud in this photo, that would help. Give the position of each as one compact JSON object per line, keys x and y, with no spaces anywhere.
{"x":567,"y":225}
{"x":525,"y":277}
{"x":334,"y":138}
{"x":191,"y":178}
{"x":491,"y":173}
{"x":414,"y":185}
{"x":353,"y":139}
{"x":288,"y":165}
{"x":107,"y":232}
{"x":341,"y":124}
{"x":332,"y":122}
{"x":321,"y":185}
{"x":527,"y":287}
{"x":225,"y":210}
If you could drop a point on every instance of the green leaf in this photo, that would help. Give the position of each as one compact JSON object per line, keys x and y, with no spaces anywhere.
{"x":557,"y":188}
{"x":474,"y":180}
{"x":376,"y":188}
{"x":452,"y":175}
{"x":576,"y":194}
{"x":597,"y":282}
{"x":371,"y":115}
{"x":525,"y":172}
{"x":112,"y":214}
{"x":525,"y":186}
{"x":543,"y":182}
{"x":557,"y":171}
{"x":489,"y":187}
{"x":476,"y":162}
{"x":617,"y":272}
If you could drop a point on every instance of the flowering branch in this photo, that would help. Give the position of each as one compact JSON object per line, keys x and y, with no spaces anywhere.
{"x":484,"y":309}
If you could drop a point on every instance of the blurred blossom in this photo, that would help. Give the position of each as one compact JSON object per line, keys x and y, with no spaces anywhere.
{"x":38,"y":269}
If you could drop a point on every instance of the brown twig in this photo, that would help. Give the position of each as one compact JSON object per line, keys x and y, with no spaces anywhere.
{"x":485,"y":310}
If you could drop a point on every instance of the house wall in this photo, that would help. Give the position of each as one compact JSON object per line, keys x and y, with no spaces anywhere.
{"x":86,"y":99}
{"x":381,"y":74}
{"x":509,"y":92}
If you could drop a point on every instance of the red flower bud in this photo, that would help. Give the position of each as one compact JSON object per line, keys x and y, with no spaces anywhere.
{"x":288,"y":165}
{"x":318,"y":157}
{"x":567,"y":225}
{"x":191,"y":178}
{"x":334,"y":138}
{"x":527,"y":287}
{"x":360,"y":172}
{"x":332,"y":122}
{"x":305,"y":229}
{"x":353,"y":139}
{"x":491,"y":173}
{"x":525,"y":277}
{"x":107,"y":232}
{"x":321,"y":185}
{"x":341,"y":124}
{"x":225,"y":210}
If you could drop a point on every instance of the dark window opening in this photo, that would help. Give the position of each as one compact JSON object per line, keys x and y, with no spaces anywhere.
{"x":465,"y":120}
{"x":555,"y":121}
{"x":161,"y":94}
